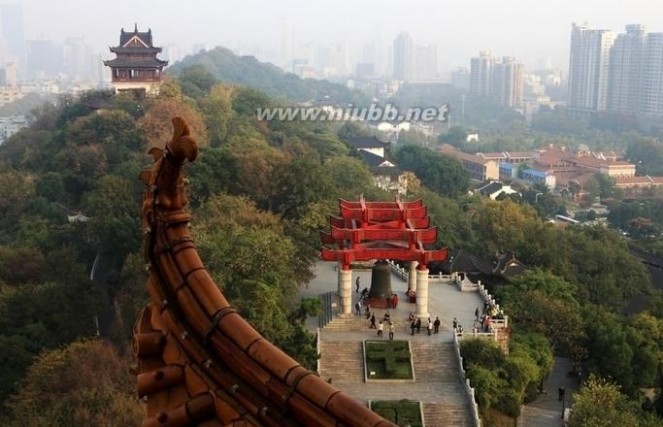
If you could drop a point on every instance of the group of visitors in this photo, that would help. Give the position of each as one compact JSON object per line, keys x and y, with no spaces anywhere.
{"x":483,"y":320}
{"x":380,"y":329}
{"x":431,"y":326}
{"x":392,"y":301}
{"x":457,"y":327}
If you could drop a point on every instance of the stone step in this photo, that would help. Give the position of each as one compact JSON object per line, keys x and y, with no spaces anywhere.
{"x":342,"y":361}
{"x":435,"y":393}
{"x":434,"y":361}
{"x":447,"y":415}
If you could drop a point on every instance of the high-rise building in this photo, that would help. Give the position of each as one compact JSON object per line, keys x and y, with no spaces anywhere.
{"x":76,"y":56}
{"x":481,"y":73}
{"x":44,"y":58}
{"x":589,"y":69}
{"x":460,"y":78}
{"x":403,"y":57}
{"x":287,"y":46}
{"x":507,"y":82}
{"x":626,"y":67}
{"x":425,"y":62}
{"x":498,"y":79}
{"x":651,"y":106}
{"x":11,"y":28}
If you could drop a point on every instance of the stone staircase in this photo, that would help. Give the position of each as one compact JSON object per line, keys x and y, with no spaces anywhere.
{"x":438,"y":385}
{"x":434,"y":361}
{"x":447,"y":415}
{"x":349,"y":324}
{"x":342,"y":361}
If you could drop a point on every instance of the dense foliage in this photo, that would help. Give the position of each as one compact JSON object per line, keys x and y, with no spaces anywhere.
{"x":71,"y":265}
{"x":223,"y":65}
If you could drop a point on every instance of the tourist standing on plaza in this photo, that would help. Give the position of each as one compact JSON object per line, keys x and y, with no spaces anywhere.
{"x":357,"y":283}
{"x":380,"y":328}
{"x":430,"y":326}
{"x":413,"y":326}
{"x":454,"y":323}
{"x":436,"y":324}
{"x":418,"y":324}
{"x":358,"y":308}
{"x":373,"y":321}
{"x":476,"y":314}
{"x":391,"y":331}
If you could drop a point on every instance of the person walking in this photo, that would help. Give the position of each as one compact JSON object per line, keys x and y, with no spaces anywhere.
{"x":391,"y":331}
{"x":476,"y":314}
{"x":418,"y":324}
{"x":413,"y":326}
{"x":560,"y":393}
{"x":357,"y":283}
{"x":454,"y":323}
{"x":358,"y":308}
{"x":373,"y":321}
{"x":436,"y":325}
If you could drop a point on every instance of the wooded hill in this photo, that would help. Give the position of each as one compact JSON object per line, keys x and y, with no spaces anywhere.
{"x":72,"y":272}
{"x":247,"y":71}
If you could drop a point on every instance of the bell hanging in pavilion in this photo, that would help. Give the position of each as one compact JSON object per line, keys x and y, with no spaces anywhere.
{"x":380,"y":281}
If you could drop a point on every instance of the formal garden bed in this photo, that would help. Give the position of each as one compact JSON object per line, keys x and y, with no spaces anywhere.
{"x":388,"y":360}
{"x":401,"y":412}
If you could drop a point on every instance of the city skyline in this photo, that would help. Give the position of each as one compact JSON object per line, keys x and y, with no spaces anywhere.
{"x":536,"y":36}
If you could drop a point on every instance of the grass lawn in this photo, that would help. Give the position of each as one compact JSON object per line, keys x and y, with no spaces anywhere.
{"x":388,"y":360}
{"x":401,"y":412}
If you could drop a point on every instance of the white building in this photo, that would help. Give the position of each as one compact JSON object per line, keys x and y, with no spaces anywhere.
{"x":403,"y":57}
{"x":652,"y":78}
{"x":626,"y":61}
{"x":589,"y":69}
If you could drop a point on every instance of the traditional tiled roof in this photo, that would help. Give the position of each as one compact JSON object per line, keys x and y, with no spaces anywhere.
{"x":472,"y":158}
{"x":490,"y":188}
{"x":633,"y":181}
{"x":368,"y":142}
{"x":145,"y":37}
{"x":508,"y":266}
{"x":464,"y":262}
{"x":135,"y":63}
{"x":136,"y":49}
{"x":373,"y":160}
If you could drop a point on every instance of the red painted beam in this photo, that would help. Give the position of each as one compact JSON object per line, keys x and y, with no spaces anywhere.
{"x":413,"y":223}
{"x":381,"y":205}
{"x":358,"y":235}
{"x":327,"y":238}
{"x":349,"y":256}
{"x":384,"y":214}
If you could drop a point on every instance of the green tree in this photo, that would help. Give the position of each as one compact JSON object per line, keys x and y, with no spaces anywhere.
{"x":441,"y":174}
{"x":86,"y":383}
{"x":196,"y":81}
{"x":218,"y":112}
{"x":304,"y":182}
{"x":456,"y":136}
{"x":599,"y":403}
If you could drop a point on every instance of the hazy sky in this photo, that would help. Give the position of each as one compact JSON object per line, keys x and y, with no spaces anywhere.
{"x":529,"y":30}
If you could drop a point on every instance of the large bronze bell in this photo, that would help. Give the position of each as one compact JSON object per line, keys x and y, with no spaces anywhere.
{"x":380,"y":281}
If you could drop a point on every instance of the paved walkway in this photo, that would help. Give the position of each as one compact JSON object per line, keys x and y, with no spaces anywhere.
{"x":546,"y":411}
{"x":444,"y":300}
{"x":447,"y":302}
